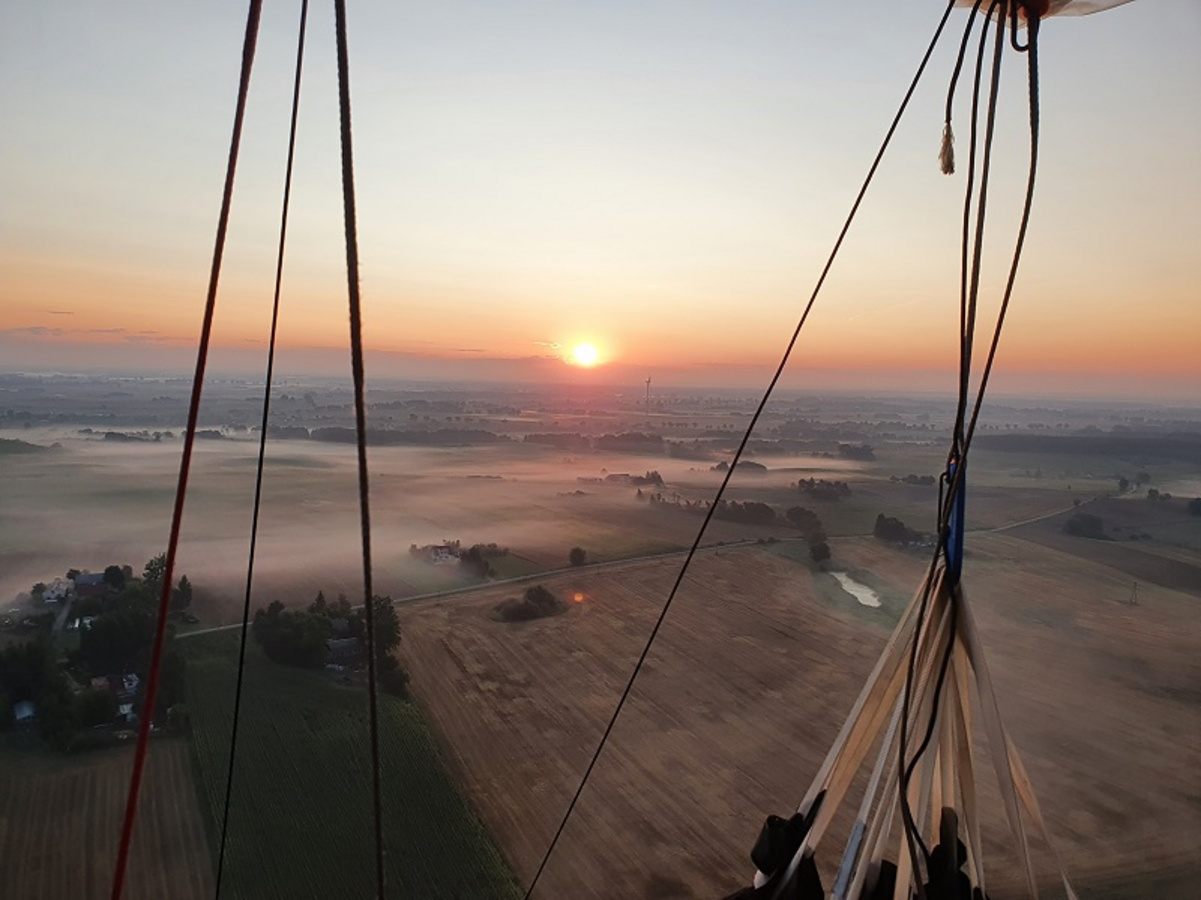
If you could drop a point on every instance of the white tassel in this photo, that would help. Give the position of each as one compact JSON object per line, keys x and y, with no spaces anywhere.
{"x":946,"y":155}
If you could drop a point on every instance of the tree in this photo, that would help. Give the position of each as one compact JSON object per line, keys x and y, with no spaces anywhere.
{"x":152,"y":574}
{"x":96,"y":708}
{"x":807,"y":523}
{"x":473,"y":564}
{"x":114,"y":577}
{"x":294,"y":638}
{"x":1152,"y":494}
{"x":819,"y":551}
{"x":181,"y":597}
{"x":578,"y":556}
{"x":1085,"y":525}
{"x":319,"y":606}
{"x":888,"y":528}
{"x":72,"y":574}
{"x":1123,"y":485}
{"x":116,"y":641}
{"x":387,"y":626}
{"x":536,"y":603}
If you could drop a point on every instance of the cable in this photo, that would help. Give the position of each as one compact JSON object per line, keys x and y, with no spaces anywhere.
{"x":181,"y":488}
{"x":1032,"y":25}
{"x":913,"y":836}
{"x":360,"y":416}
{"x":258,"y":483}
{"x":742,"y":446}
{"x":963,"y":437}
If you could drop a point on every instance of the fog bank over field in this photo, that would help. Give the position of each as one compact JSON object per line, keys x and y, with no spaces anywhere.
{"x":90,"y":468}
{"x":91,"y":503}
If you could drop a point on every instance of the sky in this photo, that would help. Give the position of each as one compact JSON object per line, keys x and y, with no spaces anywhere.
{"x":662,"y":180}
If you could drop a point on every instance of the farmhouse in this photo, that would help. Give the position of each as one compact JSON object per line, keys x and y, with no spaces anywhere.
{"x":90,"y":584}
{"x":56,"y":592}
{"x":441,"y":555}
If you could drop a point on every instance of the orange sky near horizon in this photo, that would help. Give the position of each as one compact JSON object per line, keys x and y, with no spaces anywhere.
{"x":666,"y":194}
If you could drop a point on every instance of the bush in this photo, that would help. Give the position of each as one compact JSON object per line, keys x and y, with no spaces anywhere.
{"x":537,"y":603}
{"x":96,"y":708}
{"x":1085,"y":525}
{"x":888,"y":528}
{"x":392,"y":678}
{"x":578,"y":556}
{"x":291,"y":637}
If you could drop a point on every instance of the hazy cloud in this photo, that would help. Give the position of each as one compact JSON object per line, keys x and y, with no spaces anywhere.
{"x":46,"y":331}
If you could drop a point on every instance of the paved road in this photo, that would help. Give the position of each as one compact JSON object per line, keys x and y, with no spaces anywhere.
{"x":1049,"y":515}
{"x":519,"y":579}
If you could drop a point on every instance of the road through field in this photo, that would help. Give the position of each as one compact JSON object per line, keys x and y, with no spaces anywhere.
{"x":517,"y":579}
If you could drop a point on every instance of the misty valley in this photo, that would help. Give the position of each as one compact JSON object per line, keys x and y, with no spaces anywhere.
{"x":524,"y":538}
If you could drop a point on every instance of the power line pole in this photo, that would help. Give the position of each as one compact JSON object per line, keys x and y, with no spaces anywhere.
{"x":648,"y":396}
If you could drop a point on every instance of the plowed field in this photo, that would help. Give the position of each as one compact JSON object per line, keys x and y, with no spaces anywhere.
{"x":59,"y":828}
{"x":747,"y":685}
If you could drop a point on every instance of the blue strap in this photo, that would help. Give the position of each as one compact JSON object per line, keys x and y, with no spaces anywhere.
{"x":958,"y":512}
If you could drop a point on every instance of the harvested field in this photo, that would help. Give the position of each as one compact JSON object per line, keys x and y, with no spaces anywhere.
{"x":60,"y":823}
{"x":748,"y":683}
{"x":1145,"y":559}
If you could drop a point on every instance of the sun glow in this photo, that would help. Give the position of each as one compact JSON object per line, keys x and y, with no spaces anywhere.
{"x":585,"y":355}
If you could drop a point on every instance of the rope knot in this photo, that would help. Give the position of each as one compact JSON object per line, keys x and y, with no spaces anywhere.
{"x":946,"y":155}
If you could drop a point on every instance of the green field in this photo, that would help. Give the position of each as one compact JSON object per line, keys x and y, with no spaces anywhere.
{"x":300,"y":823}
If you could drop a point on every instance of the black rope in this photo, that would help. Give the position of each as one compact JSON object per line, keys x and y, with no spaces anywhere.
{"x":360,"y":417}
{"x":963,"y":436}
{"x":947,"y":499}
{"x":258,"y":483}
{"x":742,"y":446}
{"x":1032,"y":26}
{"x":249,"y":43}
{"x":969,"y":294}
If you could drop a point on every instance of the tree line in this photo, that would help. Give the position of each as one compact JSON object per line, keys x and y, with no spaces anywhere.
{"x":300,"y":637}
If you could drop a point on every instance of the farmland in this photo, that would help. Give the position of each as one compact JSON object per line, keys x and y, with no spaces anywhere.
{"x":60,"y":821}
{"x":748,"y":683}
{"x":301,"y":820}
{"x":753,"y":671}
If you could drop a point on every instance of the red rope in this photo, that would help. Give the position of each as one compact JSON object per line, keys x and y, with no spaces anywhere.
{"x":156,"y":656}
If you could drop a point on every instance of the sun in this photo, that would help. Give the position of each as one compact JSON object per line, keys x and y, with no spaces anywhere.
{"x":585,"y":355}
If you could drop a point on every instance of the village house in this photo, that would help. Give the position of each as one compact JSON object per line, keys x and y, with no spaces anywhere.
{"x":56,"y":592}
{"x":90,"y":584}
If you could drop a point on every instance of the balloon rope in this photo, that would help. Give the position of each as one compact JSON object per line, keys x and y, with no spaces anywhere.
{"x":156,"y":656}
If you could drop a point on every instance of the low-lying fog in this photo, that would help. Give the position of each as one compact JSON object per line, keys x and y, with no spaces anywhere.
{"x":91,"y":503}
